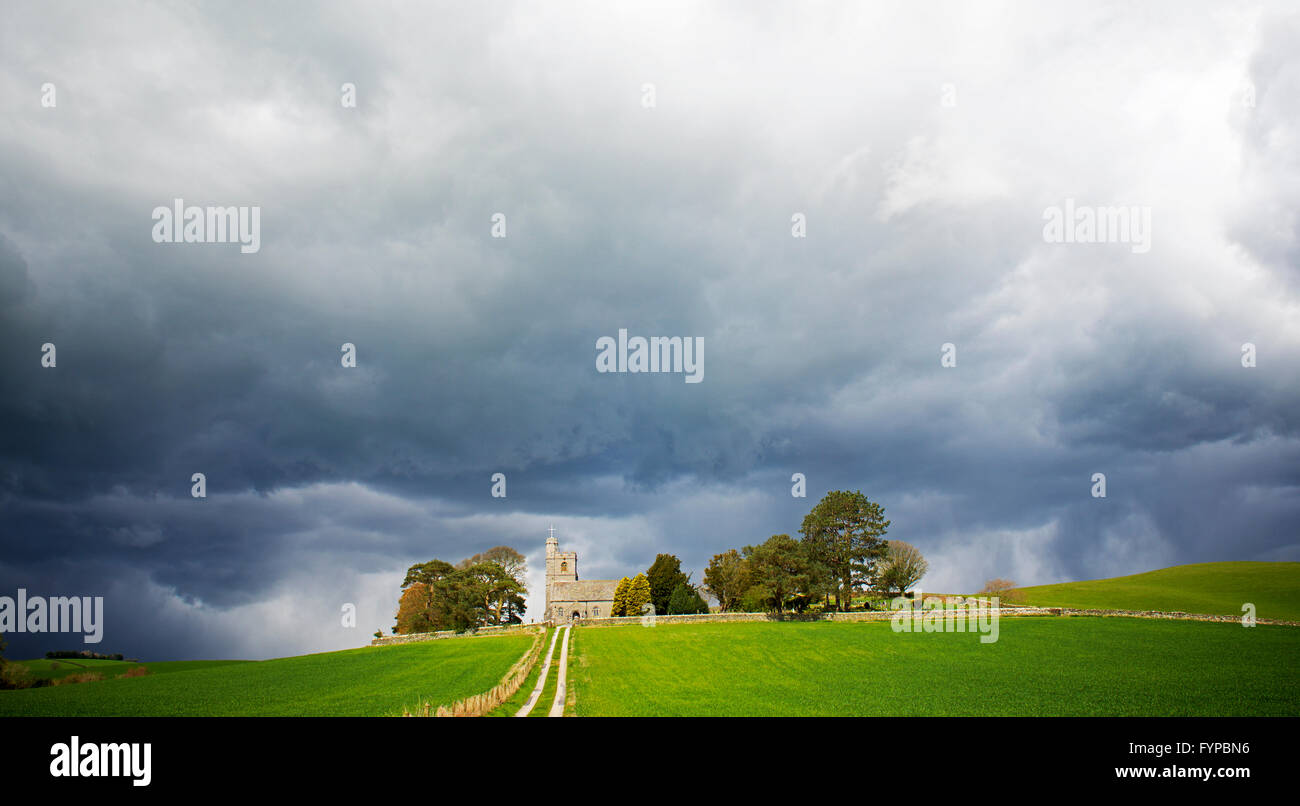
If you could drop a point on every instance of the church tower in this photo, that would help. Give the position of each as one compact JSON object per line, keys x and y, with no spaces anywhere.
{"x":567,"y":599}
{"x":561,"y":566}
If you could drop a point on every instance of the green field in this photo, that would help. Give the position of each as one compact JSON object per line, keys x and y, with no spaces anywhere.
{"x":372,"y":681}
{"x":1210,"y":588}
{"x":543,"y":705}
{"x":43,"y":669}
{"x":1039,"y":666}
{"x":1045,"y":666}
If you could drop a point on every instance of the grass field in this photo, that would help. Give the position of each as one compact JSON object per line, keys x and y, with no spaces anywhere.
{"x":372,"y":681}
{"x":1212,"y":588}
{"x":510,"y":706}
{"x":1046,"y":666}
{"x":1040,"y":666}
{"x":43,"y":669}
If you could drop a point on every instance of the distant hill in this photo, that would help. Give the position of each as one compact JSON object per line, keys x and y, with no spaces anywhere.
{"x":1212,"y":588}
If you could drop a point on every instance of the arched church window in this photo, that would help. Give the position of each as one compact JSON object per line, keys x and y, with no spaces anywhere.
{"x":595,"y":612}
{"x":564,"y":565}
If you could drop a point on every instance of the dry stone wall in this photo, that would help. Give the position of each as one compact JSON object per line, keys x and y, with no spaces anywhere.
{"x":504,"y":629}
{"x":886,"y":615}
{"x":869,"y":615}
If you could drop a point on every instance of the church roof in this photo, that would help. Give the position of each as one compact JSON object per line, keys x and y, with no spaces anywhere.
{"x":584,"y":590}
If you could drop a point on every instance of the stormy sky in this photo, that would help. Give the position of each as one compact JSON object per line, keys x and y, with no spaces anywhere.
{"x":921,"y":142}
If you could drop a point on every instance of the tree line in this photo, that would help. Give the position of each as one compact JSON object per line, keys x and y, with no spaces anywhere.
{"x":662,"y":586}
{"x":841,"y":553}
{"x":485,"y":589}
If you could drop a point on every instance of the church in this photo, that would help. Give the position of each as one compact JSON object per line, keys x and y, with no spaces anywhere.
{"x":567,"y":597}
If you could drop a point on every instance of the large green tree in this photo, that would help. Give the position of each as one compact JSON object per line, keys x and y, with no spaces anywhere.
{"x":509,"y":602}
{"x":437,"y":595}
{"x":494,"y":588}
{"x":459,"y":601}
{"x":514,"y":563}
{"x":417,"y":609}
{"x":427,"y":573}
{"x":665,"y":575}
{"x":725,"y":579}
{"x":844,"y":534}
{"x":780,"y":567}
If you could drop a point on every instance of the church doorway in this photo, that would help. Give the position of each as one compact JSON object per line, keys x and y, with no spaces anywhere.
{"x":576,"y":615}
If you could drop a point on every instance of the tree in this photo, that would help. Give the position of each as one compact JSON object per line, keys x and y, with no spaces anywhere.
{"x":844,"y":534}
{"x":419,"y":609}
{"x":665,"y":575}
{"x":638,"y":595}
{"x":1004,"y":589}
{"x":756,"y":599}
{"x":427,"y":573}
{"x":508,"y":604}
{"x":511,"y":561}
{"x":440,"y":596}
{"x":620,"y":597}
{"x":686,"y":599}
{"x":460,"y":601}
{"x":514,"y":611}
{"x":902,"y":567}
{"x":414,"y":610}
{"x":725,"y":579}
{"x":780,"y":566}
{"x":494,"y":587}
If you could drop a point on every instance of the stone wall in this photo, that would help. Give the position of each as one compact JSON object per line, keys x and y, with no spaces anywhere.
{"x":1071,"y":611}
{"x":869,"y":615}
{"x":504,"y":629}
{"x":886,"y":615}
{"x":719,"y":618}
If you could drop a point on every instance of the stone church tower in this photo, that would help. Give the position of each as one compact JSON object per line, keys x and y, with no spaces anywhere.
{"x":567,"y":597}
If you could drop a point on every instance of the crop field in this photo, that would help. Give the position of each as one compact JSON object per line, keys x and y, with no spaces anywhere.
{"x":44,"y":669}
{"x":372,"y":681}
{"x":1039,"y":666}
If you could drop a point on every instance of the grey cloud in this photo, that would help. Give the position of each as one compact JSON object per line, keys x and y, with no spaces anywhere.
{"x":477,"y":355}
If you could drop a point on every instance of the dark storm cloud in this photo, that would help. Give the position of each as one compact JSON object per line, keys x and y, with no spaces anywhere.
{"x":477,"y":355}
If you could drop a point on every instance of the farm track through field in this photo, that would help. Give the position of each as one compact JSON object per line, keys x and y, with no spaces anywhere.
{"x":541,"y":678}
{"x":557,"y":707}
